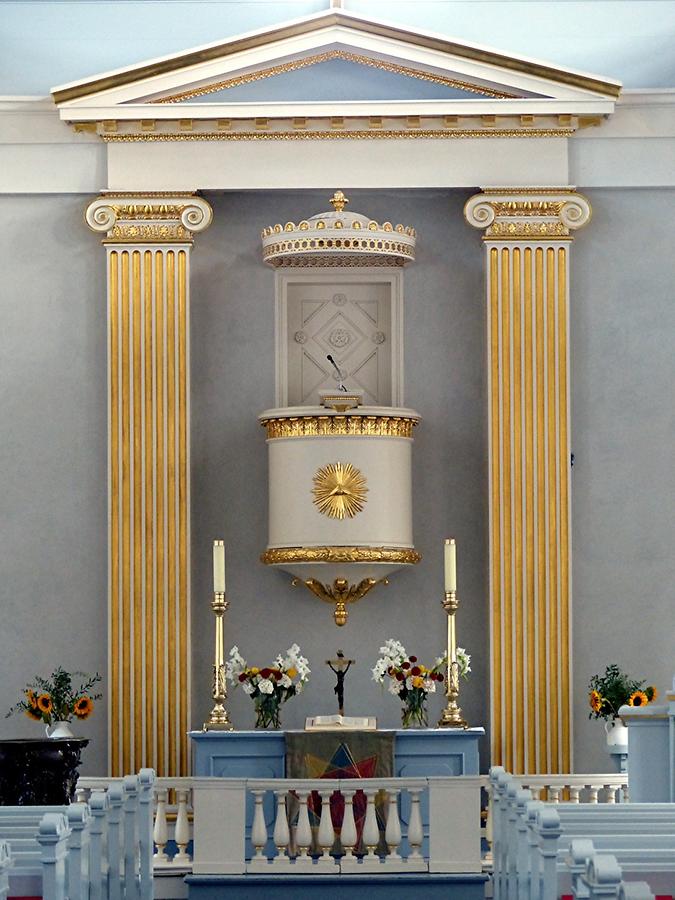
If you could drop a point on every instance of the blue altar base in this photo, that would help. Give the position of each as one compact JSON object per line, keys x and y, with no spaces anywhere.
{"x":336,"y":887}
{"x":418,"y":752}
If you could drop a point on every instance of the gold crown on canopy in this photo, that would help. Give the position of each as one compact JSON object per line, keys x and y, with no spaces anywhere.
{"x":338,"y":237}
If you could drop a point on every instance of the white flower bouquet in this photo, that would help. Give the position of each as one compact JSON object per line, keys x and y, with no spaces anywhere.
{"x":269,"y":686}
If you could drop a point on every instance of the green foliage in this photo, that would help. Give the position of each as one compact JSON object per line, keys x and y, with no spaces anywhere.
{"x":58,"y":698}
{"x":614,"y":688}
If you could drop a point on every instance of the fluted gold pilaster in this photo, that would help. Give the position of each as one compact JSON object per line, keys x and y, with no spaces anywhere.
{"x":148,"y":242}
{"x":527,"y":245}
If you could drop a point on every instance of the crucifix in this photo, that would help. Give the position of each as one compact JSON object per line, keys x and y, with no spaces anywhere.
{"x":340,"y":666}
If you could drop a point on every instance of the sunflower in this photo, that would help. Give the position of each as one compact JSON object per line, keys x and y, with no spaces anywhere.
{"x":595,"y":701}
{"x":638,"y":698}
{"x":31,"y":697}
{"x":44,"y":703}
{"x":83,"y":707}
{"x":651,"y":693}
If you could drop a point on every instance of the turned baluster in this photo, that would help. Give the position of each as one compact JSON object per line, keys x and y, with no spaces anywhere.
{"x":326,"y":836}
{"x":259,"y":829}
{"x":554,"y":794}
{"x":282,"y":835}
{"x":348,"y":836}
{"x":371,"y":833}
{"x":415,"y":832}
{"x":609,"y":794}
{"x":182,"y":830}
{"x":303,"y":833}
{"x":574,"y":794}
{"x":592,"y":794}
{"x":392,"y":834}
{"x":160,"y":832}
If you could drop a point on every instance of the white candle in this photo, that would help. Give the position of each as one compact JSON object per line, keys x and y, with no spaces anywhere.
{"x":219,"y":567}
{"x":450,"y":564}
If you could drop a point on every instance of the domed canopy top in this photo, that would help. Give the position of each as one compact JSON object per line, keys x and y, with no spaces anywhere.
{"x":338,"y":237}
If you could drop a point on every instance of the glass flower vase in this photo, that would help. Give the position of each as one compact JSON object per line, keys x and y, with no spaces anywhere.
{"x":414,"y":712}
{"x":267,"y":712}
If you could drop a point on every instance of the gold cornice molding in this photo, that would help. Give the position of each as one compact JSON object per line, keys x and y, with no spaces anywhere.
{"x":334,"y":18}
{"x":295,"y":64}
{"x":152,"y":217}
{"x":285,"y":555}
{"x":528,"y":213}
{"x":354,"y":426}
{"x":444,"y":132}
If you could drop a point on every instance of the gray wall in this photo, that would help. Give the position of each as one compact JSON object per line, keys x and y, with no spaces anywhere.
{"x":623,"y":420}
{"x":53,"y":451}
{"x":53,"y":480}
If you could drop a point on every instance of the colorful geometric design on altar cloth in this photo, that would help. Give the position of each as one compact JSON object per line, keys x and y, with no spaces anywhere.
{"x":343,"y":765}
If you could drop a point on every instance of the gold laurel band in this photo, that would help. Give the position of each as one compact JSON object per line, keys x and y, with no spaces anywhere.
{"x":126,"y":521}
{"x":354,"y":425}
{"x":543,"y":761}
{"x":518,"y":508}
{"x":183,"y":509}
{"x":360,"y":134}
{"x":148,"y":487}
{"x":495,"y":491}
{"x":171,"y":504}
{"x":160,"y":591}
{"x":113,"y":502}
{"x":530,"y":615}
{"x":293,"y":65}
{"x":276,"y":555}
{"x":137,"y":372}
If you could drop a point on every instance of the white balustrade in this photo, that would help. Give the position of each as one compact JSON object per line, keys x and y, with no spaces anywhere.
{"x":5,"y":863}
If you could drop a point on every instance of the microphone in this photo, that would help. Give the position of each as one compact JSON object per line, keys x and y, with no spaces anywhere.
{"x":341,"y":386}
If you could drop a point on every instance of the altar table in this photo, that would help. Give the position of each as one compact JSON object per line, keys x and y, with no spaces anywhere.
{"x":262,"y":754}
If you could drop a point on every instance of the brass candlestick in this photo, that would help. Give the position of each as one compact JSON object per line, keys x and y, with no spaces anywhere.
{"x":219,"y":720}
{"x":452,"y":714}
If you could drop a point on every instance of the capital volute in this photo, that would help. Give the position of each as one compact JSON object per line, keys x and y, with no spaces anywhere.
{"x":148,"y":217}
{"x":528,"y":213}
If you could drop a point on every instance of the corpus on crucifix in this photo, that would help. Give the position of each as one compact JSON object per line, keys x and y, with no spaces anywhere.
{"x":340,"y":666}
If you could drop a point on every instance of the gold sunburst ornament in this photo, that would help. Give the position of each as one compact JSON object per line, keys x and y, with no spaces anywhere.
{"x":339,"y":490}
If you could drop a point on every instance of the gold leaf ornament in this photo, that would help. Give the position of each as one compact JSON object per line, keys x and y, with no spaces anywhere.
{"x":339,"y":490}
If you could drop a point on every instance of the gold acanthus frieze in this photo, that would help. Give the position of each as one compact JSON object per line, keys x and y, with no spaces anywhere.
{"x":285,"y":555}
{"x":355,"y":425}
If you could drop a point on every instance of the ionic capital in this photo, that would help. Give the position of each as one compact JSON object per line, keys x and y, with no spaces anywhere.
{"x":525,"y":214}
{"x":154,"y":217}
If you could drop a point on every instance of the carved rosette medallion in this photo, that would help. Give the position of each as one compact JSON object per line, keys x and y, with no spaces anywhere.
{"x":339,"y":490}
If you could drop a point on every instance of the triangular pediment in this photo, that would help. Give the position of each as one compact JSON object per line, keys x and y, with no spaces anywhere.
{"x":335,"y":66}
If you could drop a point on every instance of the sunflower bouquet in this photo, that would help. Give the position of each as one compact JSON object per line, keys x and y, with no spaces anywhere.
{"x":59,"y":697}
{"x":269,"y":686}
{"x":613,"y":689}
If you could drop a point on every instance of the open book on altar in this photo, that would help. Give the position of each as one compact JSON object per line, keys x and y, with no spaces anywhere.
{"x":327,"y":723}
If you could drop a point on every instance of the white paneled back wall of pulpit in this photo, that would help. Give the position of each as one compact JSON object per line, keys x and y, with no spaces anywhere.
{"x":145,"y":334}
